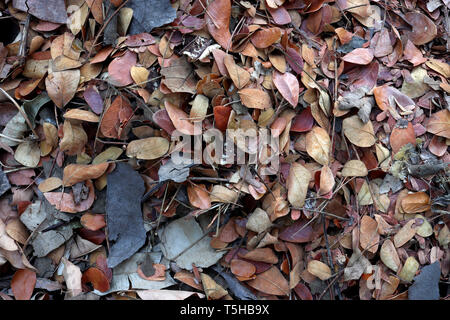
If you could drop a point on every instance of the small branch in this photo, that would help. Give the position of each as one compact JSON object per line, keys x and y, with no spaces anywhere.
{"x":24,"y":115}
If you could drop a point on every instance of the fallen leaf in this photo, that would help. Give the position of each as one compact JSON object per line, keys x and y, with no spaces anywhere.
{"x":354,"y":168}
{"x":319,"y":269}
{"x":361,"y":56}
{"x":255,"y":98}
{"x":74,"y":173}
{"x":318,"y":145}
{"x":297,"y":184}
{"x":120,"y":69}
{"x":359,"y":133}
{"x":148,"y":148}
{"x":23,"y":283}
{"x":62,"y":86}
{"x":270,"y":281}
{"x":288,"y":86}
{"x":439,"y":123}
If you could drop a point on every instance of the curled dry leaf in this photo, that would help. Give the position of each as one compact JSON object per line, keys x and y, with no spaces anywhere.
{"x":83,"y":115}
{"x":148,"y":149}
{"x":65,"y":202}
{"x":74,"y":173}
{"x":409,"y":269}
{"x":288,"y":86}
{"x":318,"y":145}
{"x":212,"y":289}
{"x":297,"y":184}
{"x":118,"y":113}
{"x":74,"y":138}
{"x":198,"y":196}
{"x":354,"y":168}
{"x":239,"y":76}
{"x":358,"y":132}
{"x":28,"y":154}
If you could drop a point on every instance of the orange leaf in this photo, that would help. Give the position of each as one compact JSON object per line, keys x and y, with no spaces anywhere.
{"x":198,"y":197}
{"x":74,"y":173}
{"x":93,"y":221}
{"x":266,"y":37}
{"x":119,"y":110}
{"x":179,"y":118}
{"x":439,"y":124}
{"x":400,"y":137}
{"x":97,"y":278}
{"x":22,"y":284}
{"x":221,"y":116}
{"x":217,"y":17}
{"x":416,"y":202}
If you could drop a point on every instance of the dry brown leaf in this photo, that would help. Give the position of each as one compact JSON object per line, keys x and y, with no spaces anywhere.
{"x":255,"y":98}
{"x":288,"y":86}
{"x":369,"y":236}
{"x":198,"y":196}
{"x":74,"y":173}
{"x":354,"y":168}
{"x":212,"y":289}
{"x":439,"y":123}
{"x":389,"y":256}
{"x":50,"y":184}
{"x":74,"y":138}
{"x":416,"y":202}
{"x":359,"y":133}
{"x":239,"y":76}
{"x":405,"y":234}
{"x":319,"y":269}
{"x":270,"y":281}
{"x":139,"y":75}
{"x":318,"y":144}
{"x":297,"y":184}
{"x":62,"y":86}
{"x":326,"y":180}
{"x":148,"y":149}
{"x":83,"y":115}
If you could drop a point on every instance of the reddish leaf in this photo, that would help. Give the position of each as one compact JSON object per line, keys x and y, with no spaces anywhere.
{"x":298,"y":232}
{"x":119,"y":69}
{"x":359,"y":56}
{"x":23,"y":283}
{"x":97,"y":278}
{"x":303,"y":122}
{"x":221,"y":116}
{"x":266,"y":37}
{"x":218,"y":22}
{"x":288,"y":86}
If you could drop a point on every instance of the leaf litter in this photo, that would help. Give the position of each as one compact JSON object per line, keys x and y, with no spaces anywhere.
{"x":93,"y":204}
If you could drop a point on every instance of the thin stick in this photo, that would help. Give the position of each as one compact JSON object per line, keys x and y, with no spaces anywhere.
{"x":24,"y":115}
